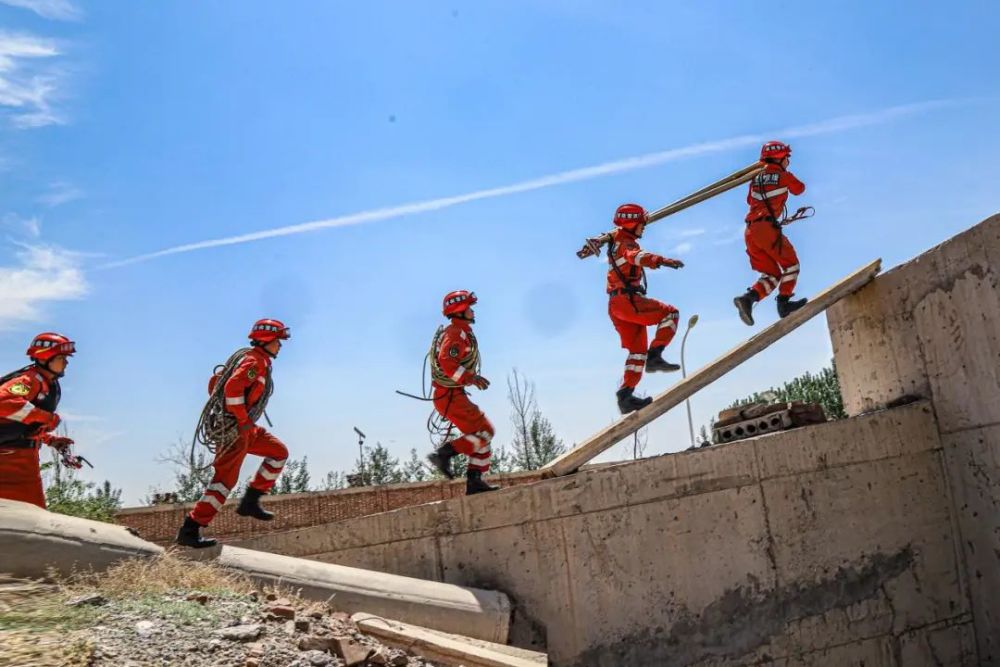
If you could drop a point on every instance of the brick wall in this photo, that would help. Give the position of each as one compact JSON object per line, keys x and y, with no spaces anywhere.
{"x":300,"y":510}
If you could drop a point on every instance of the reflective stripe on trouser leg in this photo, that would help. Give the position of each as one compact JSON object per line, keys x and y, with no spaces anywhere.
{"x":275,"y":454}
{"x":482,"y":456}
{"x":212,"y":500}
{"x":666,"y":330}
{"x":788,"y":280}
{"x":765,"y":285}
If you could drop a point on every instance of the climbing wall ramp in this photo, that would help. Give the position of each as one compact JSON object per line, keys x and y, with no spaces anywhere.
{"x":604,"y":440}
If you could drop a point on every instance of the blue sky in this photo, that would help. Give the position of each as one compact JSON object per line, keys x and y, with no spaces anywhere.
{"x":127,"y":129}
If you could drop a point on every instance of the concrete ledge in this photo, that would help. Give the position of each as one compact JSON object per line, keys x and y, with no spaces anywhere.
{"x":451,"y":608}
{"x":33,"y":540}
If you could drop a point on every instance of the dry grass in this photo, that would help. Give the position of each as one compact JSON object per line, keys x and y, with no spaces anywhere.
{"x":37,"y":629}
{"x":163,"y":574}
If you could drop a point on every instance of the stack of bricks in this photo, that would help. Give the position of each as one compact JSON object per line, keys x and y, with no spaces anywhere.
{"x":299,"y":510}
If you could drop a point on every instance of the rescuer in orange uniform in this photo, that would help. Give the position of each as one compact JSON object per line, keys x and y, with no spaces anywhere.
{"x":28,"y":401}
{"x":455,"y":366}
{"x":770,"y":251}
{"x":242,"y":390}
{"x":631,"y":311}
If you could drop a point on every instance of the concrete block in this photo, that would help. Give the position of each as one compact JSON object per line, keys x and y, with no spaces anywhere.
{"x":973,"y":463}
{"x":958,"y":331}
{"x":857,"y":532}
{"x":642,"y":562}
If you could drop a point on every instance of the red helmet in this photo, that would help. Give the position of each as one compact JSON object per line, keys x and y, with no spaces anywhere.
{"x":775,"y":150}
{"x":458,"y":302}
{"x":47,"y":345}
{"x":630,"y":216}
{"x":267,"y":331}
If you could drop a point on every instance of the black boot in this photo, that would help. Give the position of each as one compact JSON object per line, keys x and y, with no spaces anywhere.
{"x":655,"y":363}
{"x":786,"y":306}
{"x":627,"y":402}
{"x":744,"y":304}
{"x":474,"y":483}
{"x":190,"y":535}
{"x":441,"y":459}
{"x":250,"y":506}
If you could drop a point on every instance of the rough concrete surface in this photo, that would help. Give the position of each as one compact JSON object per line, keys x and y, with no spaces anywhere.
{"x":931,"y":328}
{"x":824,"y":545}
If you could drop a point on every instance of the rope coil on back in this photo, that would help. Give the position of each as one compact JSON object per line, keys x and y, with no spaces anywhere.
{"x":217,"y":428}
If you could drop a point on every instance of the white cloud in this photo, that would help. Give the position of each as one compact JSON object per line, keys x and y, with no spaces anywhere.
{"x":60,"y":10}
{"x":30,"y":227}
{"x":735,"y":234}
{"x":683,"y":248}
{"x":60,"y":193}
{"x":41,"y":274}
{"x":688,"y":233}
{"x":832,"y":125}
{"x":29,"y":82}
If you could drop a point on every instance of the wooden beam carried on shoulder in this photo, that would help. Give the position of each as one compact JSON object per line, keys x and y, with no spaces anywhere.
{"x":675,"y":395}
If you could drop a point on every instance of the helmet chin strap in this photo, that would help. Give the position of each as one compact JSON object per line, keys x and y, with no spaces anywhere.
{"x":45,"y":366}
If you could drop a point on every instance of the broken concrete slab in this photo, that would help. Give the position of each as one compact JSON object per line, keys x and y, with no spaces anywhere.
{"x":444,"y":648}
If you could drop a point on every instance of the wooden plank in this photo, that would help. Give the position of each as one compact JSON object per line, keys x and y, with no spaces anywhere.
{"x":726,"y":184}
{"x":443,"y":648}
{"x":675,"y":395}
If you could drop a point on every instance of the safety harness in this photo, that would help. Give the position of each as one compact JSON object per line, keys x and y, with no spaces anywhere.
{"x":627,"y":288}
{"x":471,"y":362}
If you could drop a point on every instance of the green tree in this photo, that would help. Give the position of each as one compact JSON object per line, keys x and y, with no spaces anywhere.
{"x":414,"y":469}
{"x":65,"y":494}
{"x":334,"y":480}
{"x":378,"y":467}
{"x":294,"y":477}
{"x":822,"y":388}
{"x":535,"y":442}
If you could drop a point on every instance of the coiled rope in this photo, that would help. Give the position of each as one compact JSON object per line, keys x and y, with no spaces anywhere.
{"x":217,"y":428}
{"x":439,"y":427}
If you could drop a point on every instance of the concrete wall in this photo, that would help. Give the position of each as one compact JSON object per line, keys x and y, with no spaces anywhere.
{"x":834,"y":544}
{"x":931,"y":328}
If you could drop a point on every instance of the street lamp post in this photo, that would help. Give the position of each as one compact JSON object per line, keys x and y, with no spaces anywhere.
{"x":361,"y":453}
{"x":691,"y":322}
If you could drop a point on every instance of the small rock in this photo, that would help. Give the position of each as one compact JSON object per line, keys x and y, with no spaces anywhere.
{"x":281,"y":611}
{"x":254,"y":596}
{"x":399,"y":661}
{"x":270,"y":597}
{"x":252,"y":662}
{"x":350,"y":651}
{"x":145,"y":628}
{"x":378,"y":658}
{"x":314,"y":643}
{"x":88,"y":599}
{"x":200,"y":598}
{"x":319,"y":658}
{"x":289,"y":628}
{"x":239,"y":633}
{"x":302,"y":625}
{"x":284,"y":602}
{"x":316,"y":614}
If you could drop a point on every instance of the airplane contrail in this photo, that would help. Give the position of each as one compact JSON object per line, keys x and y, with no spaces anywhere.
{"x":837,"y":124}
